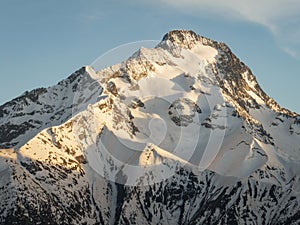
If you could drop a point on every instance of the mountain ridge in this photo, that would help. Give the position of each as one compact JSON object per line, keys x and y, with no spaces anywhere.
{"x":181,"y":134}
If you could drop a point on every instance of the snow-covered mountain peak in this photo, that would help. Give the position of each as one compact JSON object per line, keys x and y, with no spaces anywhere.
{"x":181,"y":38}
{"x":233,"y":76}
{"x":177,"y":134}
{"x":186,"y":38}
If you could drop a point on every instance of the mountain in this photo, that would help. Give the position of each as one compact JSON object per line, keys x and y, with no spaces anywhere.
{"x":178,"y":134}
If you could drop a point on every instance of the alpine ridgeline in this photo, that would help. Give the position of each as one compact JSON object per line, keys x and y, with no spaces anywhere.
{"x":177,"y":134}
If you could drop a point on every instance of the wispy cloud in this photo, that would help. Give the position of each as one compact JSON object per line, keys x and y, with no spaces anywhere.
{"x":280,"y":17}
{"x":290,"y":51}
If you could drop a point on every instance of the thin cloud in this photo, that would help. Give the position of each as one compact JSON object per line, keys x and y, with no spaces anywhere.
{"x":290,"y":52}
{"x":280,"y":17}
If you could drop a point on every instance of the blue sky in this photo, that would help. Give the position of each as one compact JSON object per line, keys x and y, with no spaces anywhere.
{"x":43,"y":42}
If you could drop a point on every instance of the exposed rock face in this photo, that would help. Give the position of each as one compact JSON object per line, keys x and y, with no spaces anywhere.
{"x":182,"y":111}
{"x":178,"y":134}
